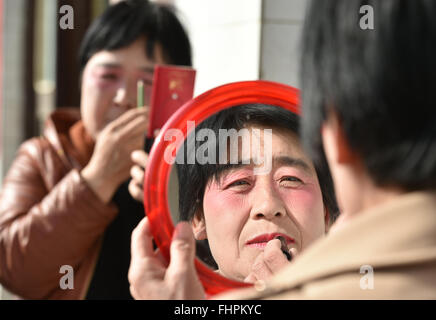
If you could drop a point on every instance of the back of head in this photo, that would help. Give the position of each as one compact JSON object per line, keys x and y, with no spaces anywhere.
{"x":123,"y":23}
{"x":380,"y":82}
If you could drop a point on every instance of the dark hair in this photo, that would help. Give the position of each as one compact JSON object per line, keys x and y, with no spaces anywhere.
{"x":193,"y":178}
{"x":380,"y":83}
{"x":123,"y":23}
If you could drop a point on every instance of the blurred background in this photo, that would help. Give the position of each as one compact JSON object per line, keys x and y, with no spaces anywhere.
{"x":232,"y":40}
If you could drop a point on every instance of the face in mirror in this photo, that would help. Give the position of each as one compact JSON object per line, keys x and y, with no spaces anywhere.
{"x":243,"y":180}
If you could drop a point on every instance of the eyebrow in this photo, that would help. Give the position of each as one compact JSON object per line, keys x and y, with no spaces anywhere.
{"x":281,"y":161}
{"x":293,"y":162}
{"x":116,"y":65}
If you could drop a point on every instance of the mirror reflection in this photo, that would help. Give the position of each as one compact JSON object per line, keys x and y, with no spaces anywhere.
{"x":253,"y":196}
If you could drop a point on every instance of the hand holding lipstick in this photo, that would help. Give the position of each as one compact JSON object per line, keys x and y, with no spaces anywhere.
{"x":271,"y":260}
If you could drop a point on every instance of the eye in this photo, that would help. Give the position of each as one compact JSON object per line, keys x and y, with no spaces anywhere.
{"x":238,"y":183}
{"x":291,"y":182}
{"x":109,"y":76}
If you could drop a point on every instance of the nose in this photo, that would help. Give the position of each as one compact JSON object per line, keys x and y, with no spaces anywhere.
{"x":267,"y":204}
{"x":125,"y":96}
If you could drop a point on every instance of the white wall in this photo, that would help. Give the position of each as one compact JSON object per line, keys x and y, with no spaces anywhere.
{"x":282,"y":23}
{"x":226,"y":36}
{"x":236,"y":40}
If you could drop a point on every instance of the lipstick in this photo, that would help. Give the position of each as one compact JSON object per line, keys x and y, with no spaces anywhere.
{"x":140,"y":94}
{"x":284,"y":247}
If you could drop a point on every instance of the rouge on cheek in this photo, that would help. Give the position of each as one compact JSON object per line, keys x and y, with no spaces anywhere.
{"x":103,"y":79}
{"x":301,"y":197}
{"x":218,"y":201}
{"x":303,"y":202}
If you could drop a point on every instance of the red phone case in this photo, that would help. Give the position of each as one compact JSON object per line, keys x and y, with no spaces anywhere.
{"x":172,"y":87}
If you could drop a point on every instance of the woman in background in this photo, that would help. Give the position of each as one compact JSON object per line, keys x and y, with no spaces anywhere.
{"x":65,"y":199}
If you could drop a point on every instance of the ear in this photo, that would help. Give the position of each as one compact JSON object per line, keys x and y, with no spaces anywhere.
{"x":199,"y":227}
{"x":335,"y":141}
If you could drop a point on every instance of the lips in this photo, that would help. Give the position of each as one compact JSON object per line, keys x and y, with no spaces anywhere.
{"x":261,"y":241}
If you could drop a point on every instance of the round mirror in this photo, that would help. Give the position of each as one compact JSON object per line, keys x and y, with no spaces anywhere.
{"x":161,"y":186}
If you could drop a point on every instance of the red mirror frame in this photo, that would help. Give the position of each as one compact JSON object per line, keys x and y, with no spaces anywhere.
{"x":158,"y":171}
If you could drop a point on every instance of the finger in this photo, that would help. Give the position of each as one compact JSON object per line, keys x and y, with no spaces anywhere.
{"x":293,"y":252}
{"x":251,"y":278}
{"x":181,"y":275}
{"x":141,"y":244}
{"x":260,"y":269}
{"x":156,"y":132}
{"x":135,"y":127}
{"x":158,"y":255}
{"x":128,"y":116}
{"x":182,"y":251}
{"x":137,"y":174}
{"x":131,"y":143}
{"x":136,"y":191}
{"x":274,"y":257}
{"x":139,"y":157}
{"x":145,"y":107}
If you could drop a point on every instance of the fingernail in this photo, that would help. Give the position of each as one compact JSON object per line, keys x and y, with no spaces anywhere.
{"x":180,"y":233}
{"x":176,"y":232}
{"x":134,"y":155}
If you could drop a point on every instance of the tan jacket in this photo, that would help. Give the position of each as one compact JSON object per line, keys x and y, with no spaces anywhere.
{"x":396,"y":239}
{"x":49,"y":217}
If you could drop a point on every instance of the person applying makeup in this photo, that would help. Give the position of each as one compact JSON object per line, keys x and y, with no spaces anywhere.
{"x":247,"y":209}
{"x":254,"y":221}
{"x":65,"y":200}
{"x":368,"y":101}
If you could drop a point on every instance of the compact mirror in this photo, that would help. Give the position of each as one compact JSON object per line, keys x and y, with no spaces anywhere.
{"x":161,"y":185}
